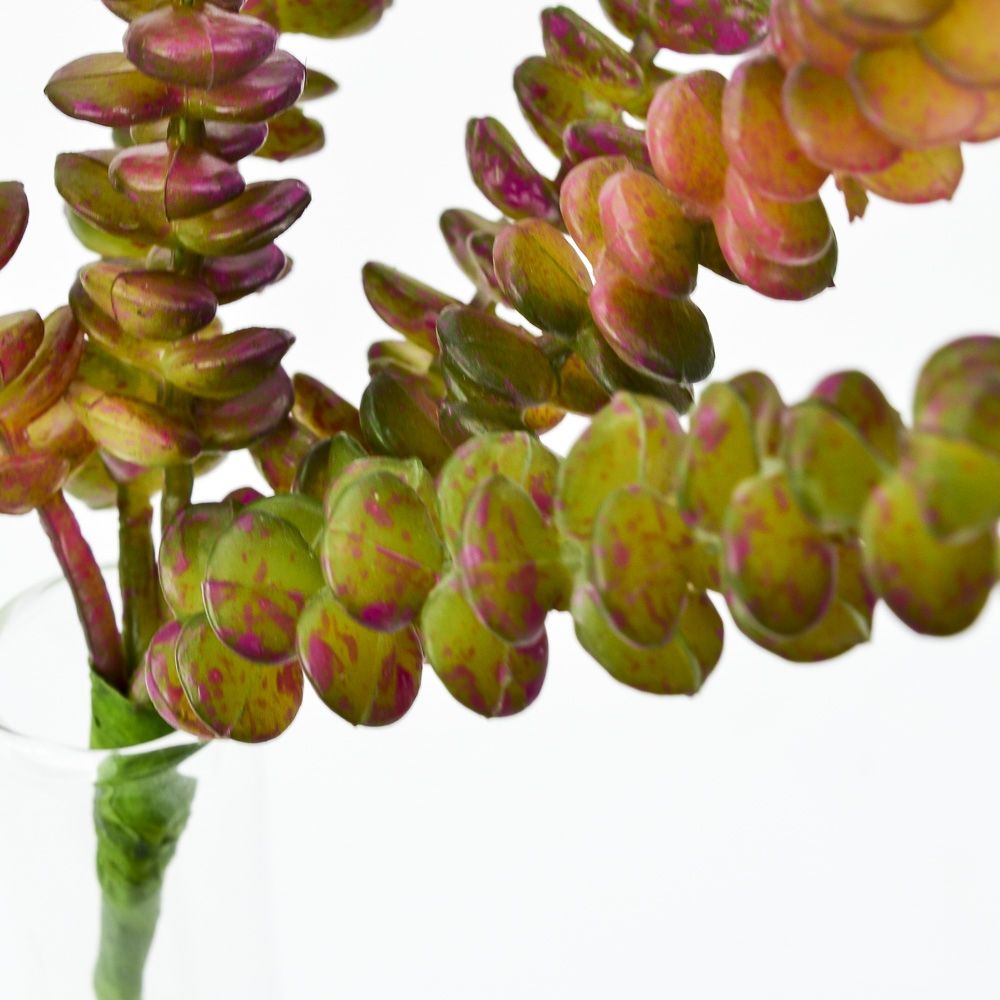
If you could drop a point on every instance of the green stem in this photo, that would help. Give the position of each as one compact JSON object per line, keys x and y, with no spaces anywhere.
{"x":178,"y":484}
{"x":141,"y":806}
{"x":140,"y":585}
{"x":90,"y":592}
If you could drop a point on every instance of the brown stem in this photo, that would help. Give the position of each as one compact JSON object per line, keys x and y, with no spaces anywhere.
{"x":140,"y":585}
{"x":90,"y":592}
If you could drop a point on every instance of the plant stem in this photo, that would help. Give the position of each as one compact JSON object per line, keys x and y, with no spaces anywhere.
{"x":178,"y":484}
{"x":140,"y":585}
{"x":90,"y":592}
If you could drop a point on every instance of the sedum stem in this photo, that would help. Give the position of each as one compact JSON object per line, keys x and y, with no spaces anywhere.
{"x":178,"y":484}
{"x":140,"y":586}
{"x":90,"y":592}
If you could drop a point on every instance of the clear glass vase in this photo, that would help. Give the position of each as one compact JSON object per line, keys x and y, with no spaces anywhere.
{"x":124,"y":874}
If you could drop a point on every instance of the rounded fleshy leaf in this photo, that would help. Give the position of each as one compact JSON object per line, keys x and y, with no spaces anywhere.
{"x":321,"y":410}
{"x":791,"y":233}
{"x":271,"y":88}
{"x":900,"y":15}
{"x":409,"y":470}
{"x":235,"y":697}
{"x":479,"y":669}
{"x":301,"y":512}
{"x":237,"y":423}
{"x":936,"y":587}
{"x":233,"y":278}
{"x":724,"y":27}
{"x":831,"y":468}
{"x":506,"y":178}
{"x":542,"y":276}
{"x":28,"y":481}
{"x":494,"y":358}
{"x":666,"y":336}
{"x":381,"y":552}
{"x":757,"y":138}
{"x":963,"y":43}
{"x":862,"y":404}
{"x":324,"y":463}
{"x":572,"y":42}
{"x":279,"y":454}
{"x":767,"y":409}
{"x":909,"y":101}
{"x":628,"y":16}
{"x":509,"y":563}
{"x":634,"y":440}
{"x":956,"y":482}
{"x":638,"y":563}
{"x":684,"y":136}
{"x":823,"y":115}
{"x":775,"y":560}
{"x":197,"y":47}
{"x":321,"y":18}
{"x":163,"y":683}
{"x":579,"y":200}
{"x":108,"y":90}
{"x":777,"y":281}
{"x":648,"y":235}
{"x":292,"y":134}
{"x":672,"y":668}
{"x":407,"y":305}
{"x":368,"y":678}
{"x":517,"y":456}
{"x":918,"y":176}
{"x":458,"y":227}
{"x":551,"y":97}
{"x":21,"y":335}
{"x":225,"y":366}
{"x":817,"y":44}
{"x":184,"y":551}
{"x":399,"y":417}
{"x":959,"y":363}
{"x":721,"y":452}
{"x":251,"y":221}
{"x":13,"y":219}
{"x":592,"y":137}
{"x":259,"y":576}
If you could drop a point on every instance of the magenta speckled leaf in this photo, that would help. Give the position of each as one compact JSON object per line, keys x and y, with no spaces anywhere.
{"x":184,"y":551}
{"x":593,"y":137}
{"x":163,"y":683}
{"x":198,"y":47}
{"x":956,"y":482}
{"x":292,"y":134}
{"x":578,"y":198}
{"x":129,"y":10}
{"x":271,"y":88}
{"x":381,"y":552}
{"x":368,"y":678}
{"x":21,"y":335}
{"x":133,"y":430}
{"x":317,"y":86}
{"x":108,"y":90}
{"x":542,"y":276}
{"x":767,"y":409}
{"x":234,"y":277}
{"x":407,"y":305}
{"x":260,"y":574}
{"x":936,"y":587}
{"x":347,"y":471}
{"x":479,"y":669}
{"x":399,"y":416}
{"x":44,"y":378}
{"x":322,"y":18}
{"x":237,"y":423}
{"x":672,"y":668}
{"x":862,"y":404}
{"x":83,"y":182}
{"x":775,"y":560}
{"x":279,"y":453}
{"x":458,"y":226}
{"x":958,"y":361}
{"x":831,"y":468}
{"x":516,"y":455}
{"x":157,"y":305}
{"x":28,"y":481}
{"x":574,"y":43}
{"x":236,"y":698}
{"x":301,"y":512}
{"x":225,"y":366}
{"x":638,"y":562}
{"x":228,"y":141}
{"x":261,"y":214}
{"x":919,"y":176}
{"x":634,"y":440}
{"x":321,"y":410}
{"x":13,"y":219}
{"x":324,"y":463}
{"x":648,"y":235}
{"x":668,"y":337}
{"x":494,"y":359}
{"x":505,"y":176}
{"x":174,"y":183}
{"x":510,"y":565}
{"x":724,"y":27}
{"x":630,"y":17}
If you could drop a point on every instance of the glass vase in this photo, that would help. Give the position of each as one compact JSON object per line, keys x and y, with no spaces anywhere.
{"x":123,"y":874}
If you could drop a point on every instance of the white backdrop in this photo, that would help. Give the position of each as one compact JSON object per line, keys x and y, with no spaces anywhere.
{"x":818,"y":832}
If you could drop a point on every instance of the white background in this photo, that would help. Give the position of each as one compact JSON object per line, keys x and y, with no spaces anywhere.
{"x":793,"y":832}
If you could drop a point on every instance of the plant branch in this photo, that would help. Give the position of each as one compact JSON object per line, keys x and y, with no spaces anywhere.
{"x":138,"y":577}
